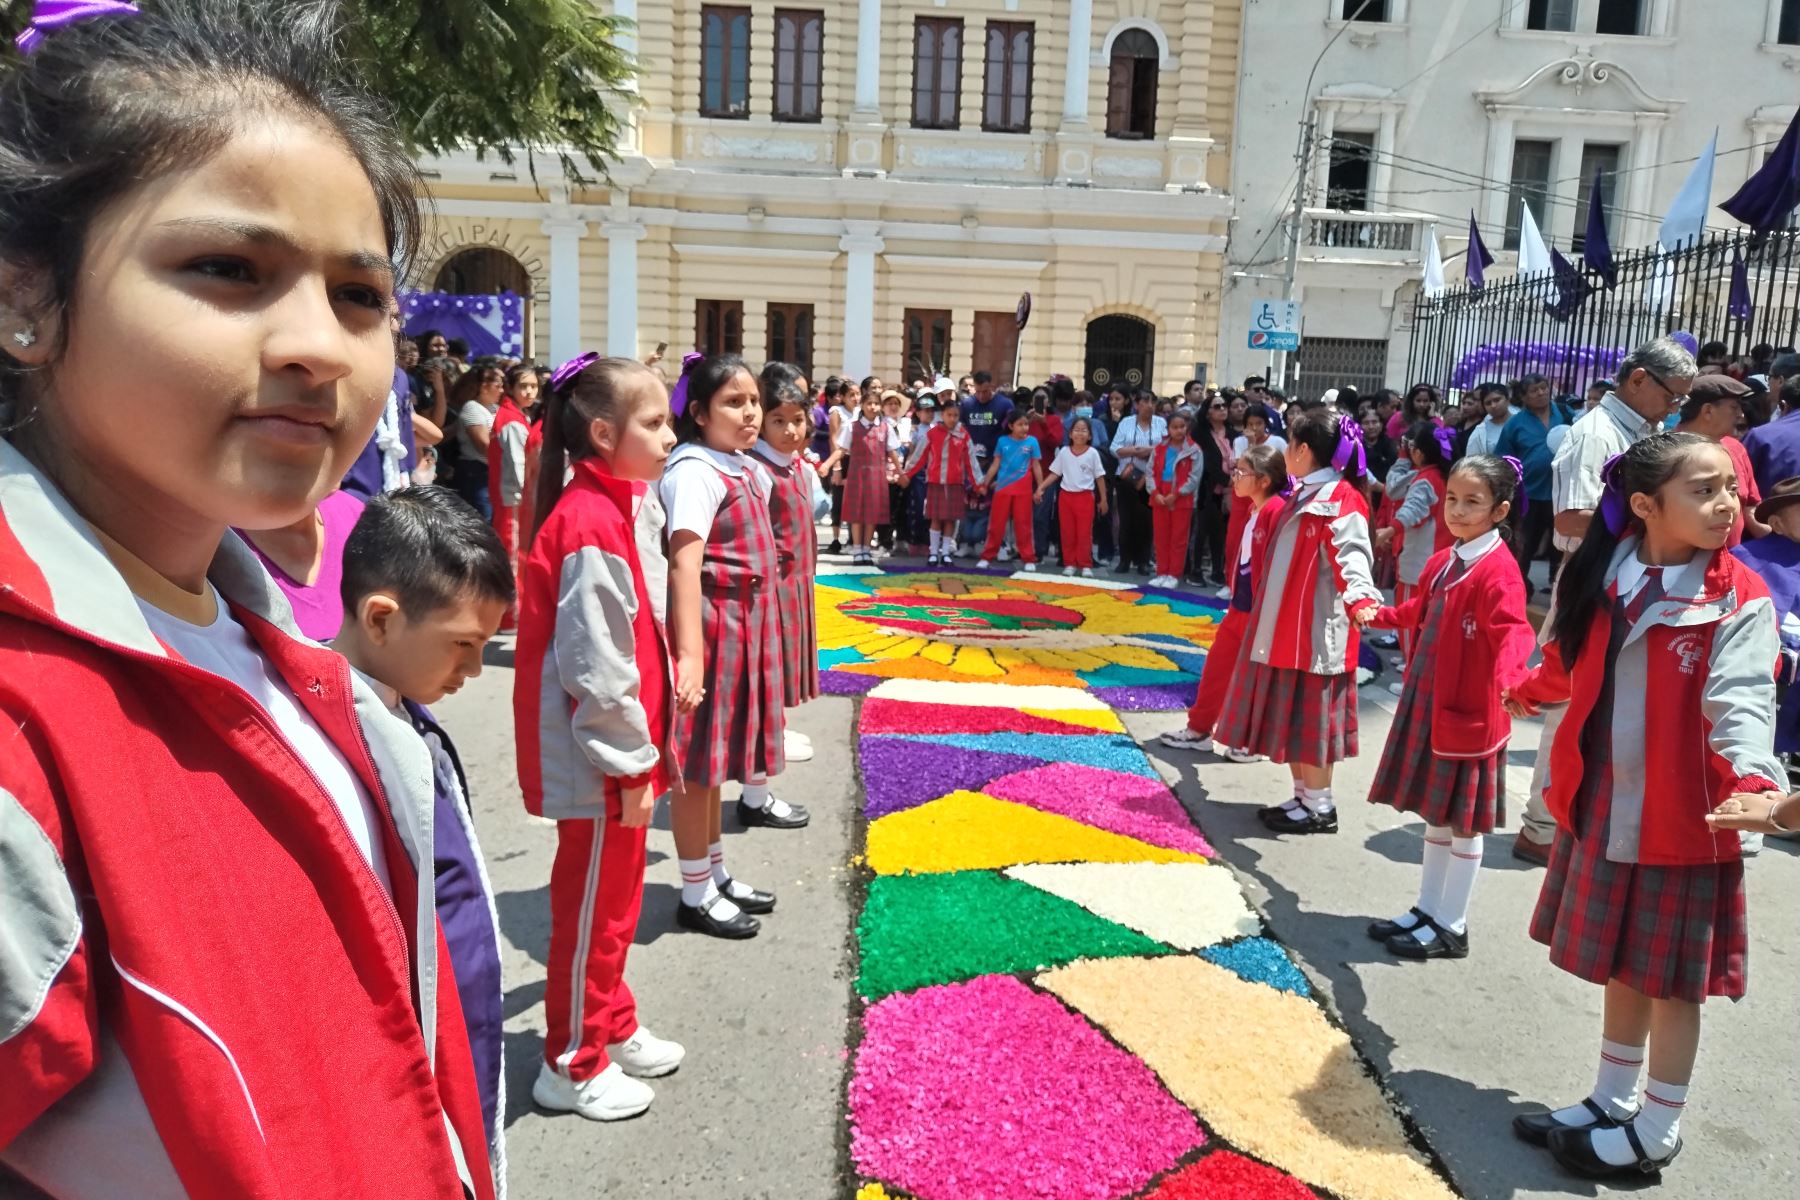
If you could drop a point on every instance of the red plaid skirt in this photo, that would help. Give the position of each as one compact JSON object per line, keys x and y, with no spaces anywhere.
{"x":946,"y":501}
{"x":866,"y":482}
{"x":737,"y":732}
{"x":1466,"y":794}
{"x":1291,"y":716}
{"x":799,"y":639}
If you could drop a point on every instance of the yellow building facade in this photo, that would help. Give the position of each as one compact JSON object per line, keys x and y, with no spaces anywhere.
{"x":870,"y":186}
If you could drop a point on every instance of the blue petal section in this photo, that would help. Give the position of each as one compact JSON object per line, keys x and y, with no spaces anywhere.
{"x":837,"y":658}
{"x":1260,"y":961}
{"x":1114,"y":675}
{"x":1112,"y":752}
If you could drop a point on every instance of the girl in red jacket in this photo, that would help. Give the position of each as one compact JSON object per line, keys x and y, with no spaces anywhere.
{"x":1293,"y":696}
{"x":1175,"y":477}
{"x":1664,"y":647}
{"x":1259,"y":478}
{"x":223,"y":973}
{"x":1446,"y":753}
{"x":507,"y":464}
{"x":593,"y":703}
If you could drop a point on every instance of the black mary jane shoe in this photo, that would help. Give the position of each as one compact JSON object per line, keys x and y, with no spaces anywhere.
{"x":1306,"y":821}
{"x":1381,"y":931}
{"x":1269,"y":810}
{"x":757,"y":902}
{"x":751,"y":818}
{"x":700,"y":919}
{"x":1536,"y":1128}
{"x":1447,"y":944}
{"x":1573,"y":1150}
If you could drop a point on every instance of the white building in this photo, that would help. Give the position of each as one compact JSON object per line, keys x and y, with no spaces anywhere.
{"x":1424,"y":110}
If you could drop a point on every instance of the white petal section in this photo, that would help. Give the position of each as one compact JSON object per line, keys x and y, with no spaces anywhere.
{"x":1054,"y":575}
{"x":1186,"y":905}
{"x":986,"y":695}
{"x":844,"y":568}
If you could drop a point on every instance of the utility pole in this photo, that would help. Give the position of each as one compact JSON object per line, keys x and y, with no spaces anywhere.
{"x":1278,"y":358}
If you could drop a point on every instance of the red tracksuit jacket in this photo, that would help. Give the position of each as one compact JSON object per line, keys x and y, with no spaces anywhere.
{"x":190,"y":929}
{"x":1316,"y":575}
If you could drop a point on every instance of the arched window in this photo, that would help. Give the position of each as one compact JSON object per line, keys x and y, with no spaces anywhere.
{"x":483,"y":271}
{"x":1131,"y":86}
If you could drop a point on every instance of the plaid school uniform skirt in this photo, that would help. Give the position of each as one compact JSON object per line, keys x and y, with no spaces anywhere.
{"x":1672,"y":933}
{"x":797,"y":547}
{"x":1466,"y":794}
{"x":866,"y":482}
{"x":1291,"y":716}
{"x":946,"y":501}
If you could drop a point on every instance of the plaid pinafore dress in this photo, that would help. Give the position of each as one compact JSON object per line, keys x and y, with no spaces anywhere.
{"x":797,"y":546}
{"x":736,"y":732}
{"x":866,"y":482}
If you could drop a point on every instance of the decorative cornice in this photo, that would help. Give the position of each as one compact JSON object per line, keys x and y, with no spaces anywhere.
{"x":1581,"y":71}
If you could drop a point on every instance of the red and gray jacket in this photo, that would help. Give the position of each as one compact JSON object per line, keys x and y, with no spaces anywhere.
{"x":506,"y":454}
{"x":593,"y":701}
{"x":206,"y":991}
{"x":1187,"y":472}
{"x":1316,"y":575}
{"x":1693,"y":710}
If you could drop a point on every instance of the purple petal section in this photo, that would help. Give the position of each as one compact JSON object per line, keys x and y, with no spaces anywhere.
{"x":1111,"y":800}
{"x":848,"y":683}
{"x":1154,"y":697}
{"x":899,"y":773}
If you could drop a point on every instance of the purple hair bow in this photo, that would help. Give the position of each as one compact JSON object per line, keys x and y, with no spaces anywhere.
{"x":1518,"y":470}
{"x":1350,"y":446}
{"x":55,"y":14}
{"x":1613,"y":509}
{"x":678,"y":400}
{"x":565,"y":374}
{"x":1446,"y":440}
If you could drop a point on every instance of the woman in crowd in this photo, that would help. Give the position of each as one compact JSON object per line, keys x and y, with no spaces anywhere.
{"x":476,"y":397}
{"x":1421,"y":404}
{"x":1133,"y":442}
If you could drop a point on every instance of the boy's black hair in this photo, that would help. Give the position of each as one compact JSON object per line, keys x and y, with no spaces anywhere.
{"x":106,"y":105}
{"x":426,"y":547}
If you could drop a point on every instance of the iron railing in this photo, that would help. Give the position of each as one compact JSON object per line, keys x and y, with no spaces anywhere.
{"x":1575,"y":330}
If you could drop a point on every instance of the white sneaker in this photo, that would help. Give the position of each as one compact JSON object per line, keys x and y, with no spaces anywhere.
{"x":1223,"y":593}
{"x":646,"y":1056}
{"x":1031,"y":567}
{"x":1006,"y":554}
{"x":1398,"y":662}
{"x":1750,"y":844}
{"x":982,"y":564}
{"x":612,"y":1095}
{"x":1398,"y":689}
{"x":1087,"y":572}
{"x":1233,"y":754}
{"x":1187,"y":739}
{"x":795,"y":747}
{"x":1068,"y":570}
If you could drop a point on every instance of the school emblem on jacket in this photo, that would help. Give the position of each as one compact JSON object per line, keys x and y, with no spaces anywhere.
{"x":1469,"y":626}
{"x":1690,"y":649}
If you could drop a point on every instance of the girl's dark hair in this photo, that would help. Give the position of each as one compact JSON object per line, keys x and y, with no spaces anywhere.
{"x":868,"y":380}
{"x":1496,"y":474}
{"x":1085,"y":423}
{"x":774,"y":374}
{"x":1422,"y":436}
{"x":774,"y":396}
{"x":515,"y":374}
{"x":834,"y":389}
{"x":1268,"y":461}
{"x":704,"y":379}
{"x":1318,"y":430}
{"x":469,"y":384}
{"x":1017,"y":415}
{"x":1421,"y":389}
{"x":104,"y":106}
{"x":1260,"y":412}
{"x":1644,"y":467}
{"x":593,"y":395}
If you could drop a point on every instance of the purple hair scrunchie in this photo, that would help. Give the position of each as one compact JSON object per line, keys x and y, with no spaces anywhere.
{"x":565,"y":374}
{"x":678,"y":398}
{"x":1518,"y":467}
{"x":1613,"y":508}
{"x":1350,"y":446}
{"x":1446,"y":440}
{"x":51,"y":15}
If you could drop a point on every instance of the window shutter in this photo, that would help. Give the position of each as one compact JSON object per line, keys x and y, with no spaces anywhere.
{"x":1118,"y":95}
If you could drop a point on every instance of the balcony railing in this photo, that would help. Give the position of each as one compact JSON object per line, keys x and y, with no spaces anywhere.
{"x":1394,"y":237}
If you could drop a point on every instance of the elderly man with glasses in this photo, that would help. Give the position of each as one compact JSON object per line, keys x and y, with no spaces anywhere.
{"x":1652,"y":382}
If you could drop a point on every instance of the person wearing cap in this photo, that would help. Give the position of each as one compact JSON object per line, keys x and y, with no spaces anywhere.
{"x":1713,"y":409}
{"x":1776,"y":558}
{"x":1775,"y":448}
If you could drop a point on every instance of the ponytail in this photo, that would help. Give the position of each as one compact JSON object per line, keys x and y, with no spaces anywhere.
{"x":583,"y":390}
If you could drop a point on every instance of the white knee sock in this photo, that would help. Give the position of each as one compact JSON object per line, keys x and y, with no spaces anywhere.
{"x":1431,"y":880}
{"x":1615,"y":1086}
{"x":1318,"y":801}
{"x":1658,"y":1126}
{"x":1452,"y":910}
{"x":756,"y":792}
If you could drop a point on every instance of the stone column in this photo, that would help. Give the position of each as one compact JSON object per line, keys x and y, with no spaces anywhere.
{"x":862,"y":243}
{"x":1382,"y":175}
{"x":1078,"y":70}
{"x":868,"y":59}
{"x":622,"y":238}
{"x":565,"y":286}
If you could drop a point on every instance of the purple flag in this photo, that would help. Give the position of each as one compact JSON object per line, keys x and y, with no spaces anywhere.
{"x":1475,"y":269}
{"x":1739,"y":305}
{"x":1572,"y":289}
{"x":1596,"y":247}
{"x":1768,"y":196}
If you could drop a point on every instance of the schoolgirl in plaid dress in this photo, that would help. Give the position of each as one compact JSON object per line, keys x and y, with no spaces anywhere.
{"x":1293,"y":697}
{"x":1663,"y":646}
{"x":871,"y":446}
{"x":946,"y":455}
{"x":791,"y":509}
{"x":1446,"y":752}
{"x":723,"y":622}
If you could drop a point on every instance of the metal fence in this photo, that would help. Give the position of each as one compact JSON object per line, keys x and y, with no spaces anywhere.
{"x":1575,"y":327}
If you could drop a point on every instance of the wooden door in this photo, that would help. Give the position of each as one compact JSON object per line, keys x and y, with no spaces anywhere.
{"x":996,"y":343}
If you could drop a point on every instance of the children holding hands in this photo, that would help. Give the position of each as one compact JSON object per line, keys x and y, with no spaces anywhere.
{"x":1013,"y":477}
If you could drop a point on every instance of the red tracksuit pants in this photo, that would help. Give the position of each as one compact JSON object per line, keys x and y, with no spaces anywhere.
{"x":1215,"y":677}
{"x":1170,"y":527}
{"x":1075,"y":519}
{"x":596,"y":888}
{"x":506,"y":524}
{"x":1011,"y":503}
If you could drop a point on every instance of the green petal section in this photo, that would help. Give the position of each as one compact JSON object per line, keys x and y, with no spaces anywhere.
{"x":918,"y":930}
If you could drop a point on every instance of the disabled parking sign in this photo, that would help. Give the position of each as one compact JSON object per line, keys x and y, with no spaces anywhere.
{"x":1275,"y":325}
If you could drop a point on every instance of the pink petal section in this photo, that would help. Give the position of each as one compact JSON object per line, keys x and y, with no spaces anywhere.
{"x":881,"y":715}
{"x":1133,"y":805}
{"x":987,"y":1090}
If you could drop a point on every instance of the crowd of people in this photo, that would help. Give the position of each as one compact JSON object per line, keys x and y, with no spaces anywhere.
{"x":250,"y":944}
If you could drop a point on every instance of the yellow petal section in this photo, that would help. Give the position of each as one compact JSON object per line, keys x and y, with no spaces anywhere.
{"x":1105,"y":722}
{"x":971,"y":831}
{"x":1263,"y":1068}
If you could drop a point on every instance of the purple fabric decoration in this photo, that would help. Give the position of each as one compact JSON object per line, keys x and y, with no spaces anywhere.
{"x":1479,"y":260}
{"x":55,"y":14}
{"x":1613,"y":509}
{"x":1596,"y":248}
{"x":1740,"y":304}
{"x":566,"y":373}
{"x":678,"y":401}
{"x":1518,"y":470}
{"x":1350,"y":446}
{"x":1768,"y":196}
{"x":1446,"y":440}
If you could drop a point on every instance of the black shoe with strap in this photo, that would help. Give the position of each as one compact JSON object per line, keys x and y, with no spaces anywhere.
{"x":1536,"y":1128}
{"x":794,"y":817}
{"x":1381,"y":931}
{"x":1573,"y":1150}
{"x":701,"y":919}
{"x":758,"y":902}
{"x":1447,"y":944}
{"x":1285,"y":820}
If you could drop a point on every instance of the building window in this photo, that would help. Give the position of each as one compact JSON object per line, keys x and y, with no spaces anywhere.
{"x":799,"y":50}
{"x":1787,"y":27}
{"x":925,"y":342}
{"x":1347,"y":182}
{"x":1551,"y":15}
{"x":724,"y":62}
{"x":937,"y":72}
{"x":1604,"y":159}
{"x":791,"y":335}
{"x":1006,"y":80}
{"x":1530,"y":185}
{"x":1366,"y":10}
{"x":1621,"y":16}
{"x":719,"y":326}
{"x":1131,"y":86}
{"x":996,"y":345}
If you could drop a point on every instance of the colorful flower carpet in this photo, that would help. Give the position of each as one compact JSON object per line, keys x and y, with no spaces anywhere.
{"x":1063,"y":996}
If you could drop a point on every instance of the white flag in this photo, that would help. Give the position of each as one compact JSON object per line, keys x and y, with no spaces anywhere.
{"x":1687,"y":216}
{"x":1434,"y":263}
{"x":1534,"y":256}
